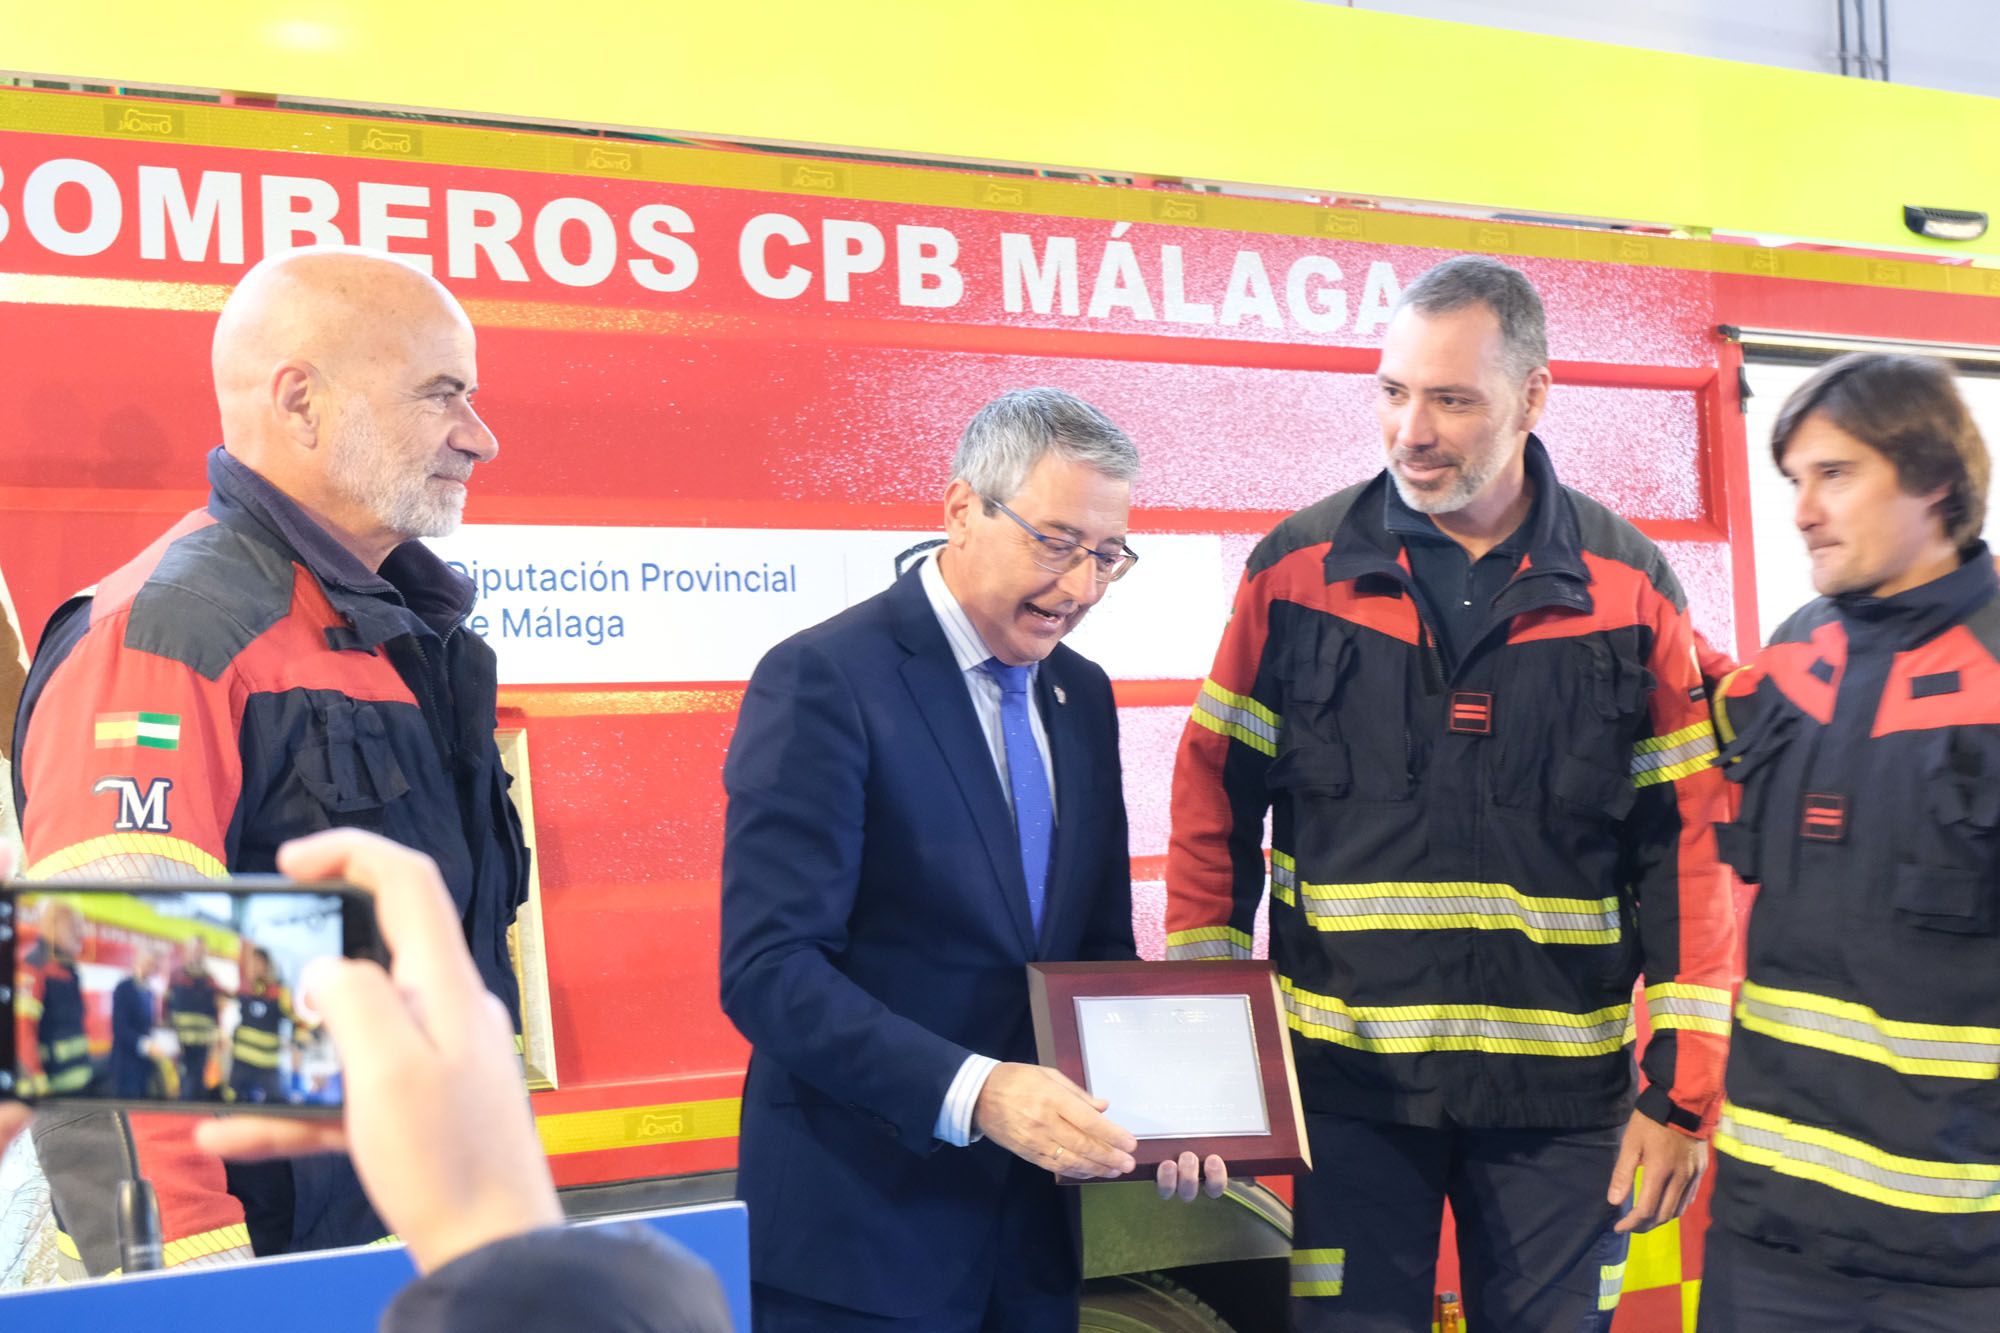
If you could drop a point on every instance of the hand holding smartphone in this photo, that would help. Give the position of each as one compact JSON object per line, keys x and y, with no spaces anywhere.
{"x":173,"y":996}
{"x":436,"y":1117}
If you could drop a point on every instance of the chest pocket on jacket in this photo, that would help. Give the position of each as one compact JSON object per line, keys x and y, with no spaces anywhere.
{"x":1567,"y":716}
{"x":1346,"y":731}
{"x":348,"y":766}
{"x":1951,"y":882}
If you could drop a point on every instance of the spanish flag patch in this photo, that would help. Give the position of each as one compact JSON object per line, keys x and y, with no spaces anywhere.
{"x":152,"y":731}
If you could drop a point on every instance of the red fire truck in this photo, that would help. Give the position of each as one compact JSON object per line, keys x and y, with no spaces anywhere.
{"x":726,"y":384}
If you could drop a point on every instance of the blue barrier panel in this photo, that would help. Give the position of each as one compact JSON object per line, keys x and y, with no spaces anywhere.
{"x":338,"y":1291}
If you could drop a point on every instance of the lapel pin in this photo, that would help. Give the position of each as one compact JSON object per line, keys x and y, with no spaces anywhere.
{"x":1061,"y":698}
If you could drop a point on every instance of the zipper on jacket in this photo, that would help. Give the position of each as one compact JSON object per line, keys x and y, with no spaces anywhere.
{"x":431,"y":714}
{"x":1435,"y":679}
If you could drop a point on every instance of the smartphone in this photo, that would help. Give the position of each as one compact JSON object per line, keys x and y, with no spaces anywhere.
{"x":173,"y":996}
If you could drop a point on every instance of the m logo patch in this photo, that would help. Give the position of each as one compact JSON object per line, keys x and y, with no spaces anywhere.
{"x":139,"y":811}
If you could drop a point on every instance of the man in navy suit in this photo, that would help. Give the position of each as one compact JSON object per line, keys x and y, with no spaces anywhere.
{"x":134,"y":1012}
{"x":924,"y":796}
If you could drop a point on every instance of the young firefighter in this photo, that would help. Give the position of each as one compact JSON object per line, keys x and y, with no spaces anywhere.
{"x":1862,"y":1130}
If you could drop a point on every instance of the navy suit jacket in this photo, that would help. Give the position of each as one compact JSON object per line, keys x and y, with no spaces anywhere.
{"x":132,"y":1017}
{"x":875,"y":932}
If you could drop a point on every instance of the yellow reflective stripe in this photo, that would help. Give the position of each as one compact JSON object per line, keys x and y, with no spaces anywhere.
{"x":1457,"y":905}
{"x":1493,"y":1029}
{"x":1683,"y":1005}
{"x":1284,"y":878}
{"x":1318,"y":1272}
{"x":1851,"y":1166}
{"x":1238,"y":717}
{"x":1725,"y":730}
{"x":1673,"y":756}
{"x":1610,"y":1281}
{"x":69,"y":1048}
{"x":1687,"y":990}
{"x":1673,"y":740}
{"x":66,"y":1246}
{"x":1208,"y":942}
{"x":1242,"y":702}
{"x":27,"y":1006}
{"x":256,"y":1059}
{"x":1844,"y":1027}
{"x":1677,"y":771}
{"x":84,"y":853}
{"x":232,"y":1237}
{"x":249,"y":1036}
{"x":69,"y":1080}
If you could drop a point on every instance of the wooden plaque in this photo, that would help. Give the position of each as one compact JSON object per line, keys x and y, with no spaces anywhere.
{"x":1121,"y":999}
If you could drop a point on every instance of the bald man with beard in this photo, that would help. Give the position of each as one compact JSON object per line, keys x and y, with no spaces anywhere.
{"x":287,"y":659}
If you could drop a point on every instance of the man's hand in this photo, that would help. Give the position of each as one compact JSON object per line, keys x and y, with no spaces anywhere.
{"x":436,"y":1118}
{"x":1041,"y":1117}
{"x":1674,"y":1164}
{"x":1182,"y":1176}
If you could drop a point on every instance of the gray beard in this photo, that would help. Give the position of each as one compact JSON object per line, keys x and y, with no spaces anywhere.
{"x":1464,"y":486}
{"x":359,"y":470}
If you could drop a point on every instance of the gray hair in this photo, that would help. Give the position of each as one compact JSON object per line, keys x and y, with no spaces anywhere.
{"x":1007,"y":437}
{"x":1479,"y":280}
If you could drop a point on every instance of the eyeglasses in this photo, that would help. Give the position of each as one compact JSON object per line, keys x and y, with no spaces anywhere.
{"x":1059,"y":555}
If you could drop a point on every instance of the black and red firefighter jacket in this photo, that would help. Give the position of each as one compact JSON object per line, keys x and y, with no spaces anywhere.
{"x":1467,"y":873}
{"x":52,"y":1048}
{"x":1863,"y":1120}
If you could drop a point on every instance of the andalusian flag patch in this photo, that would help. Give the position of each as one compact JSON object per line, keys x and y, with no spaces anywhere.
{"x":153,"y":731}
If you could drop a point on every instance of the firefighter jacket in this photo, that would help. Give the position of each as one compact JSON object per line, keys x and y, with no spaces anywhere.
{"x":53,"y":1049}
{"x":193,"y":1004}
{"x":254,"y":1043}
{"x":244,"y":681}
{"x":1466,"y":874}
{"x":1863,"y":1121}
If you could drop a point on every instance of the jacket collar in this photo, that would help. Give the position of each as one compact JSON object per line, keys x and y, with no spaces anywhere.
{"x":1366,"y":544}
{"x":1920,"y":613}
{"x":411,"y":577}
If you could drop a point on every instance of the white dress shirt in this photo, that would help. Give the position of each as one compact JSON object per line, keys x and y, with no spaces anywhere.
{"x":969,"y":650}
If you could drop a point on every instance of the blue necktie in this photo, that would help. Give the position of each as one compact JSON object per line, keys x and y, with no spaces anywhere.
{"x":1034,"y":817}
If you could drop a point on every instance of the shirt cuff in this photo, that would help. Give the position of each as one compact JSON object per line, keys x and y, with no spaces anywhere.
{"x":954,"y":1122}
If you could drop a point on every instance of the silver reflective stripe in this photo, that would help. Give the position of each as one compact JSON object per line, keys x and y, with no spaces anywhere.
{"x":1318,"y":1272}
{"x":1858,"y":1031}
{"x":1413,"y":1025}
{"x":1610,"y":1281}
{"x":1686,"y":1008}
{"x":1821,"y":1160}
{"x":1237,"y":715}
{"x":1205,"y":949}
{"x":1699,"y":747}
{"x":1415,"y":905}
{"x":1284,"y":877}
